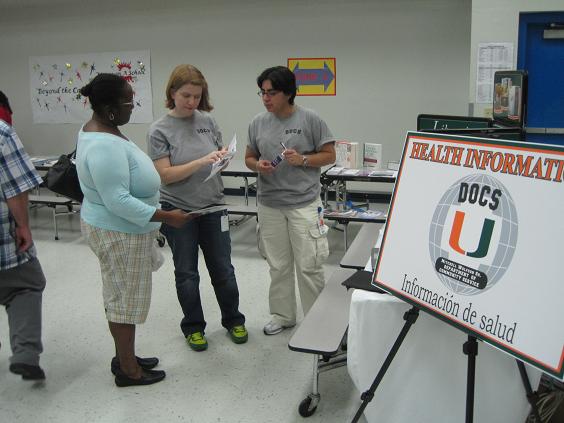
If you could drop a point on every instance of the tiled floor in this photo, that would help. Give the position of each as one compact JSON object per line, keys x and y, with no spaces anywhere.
{"x":261,"y":381}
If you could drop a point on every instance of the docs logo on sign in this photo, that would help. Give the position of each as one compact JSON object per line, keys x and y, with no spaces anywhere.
{"x":473,"y":234}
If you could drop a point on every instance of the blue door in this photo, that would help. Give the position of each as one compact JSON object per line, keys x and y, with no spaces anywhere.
{"x":541,"y":54}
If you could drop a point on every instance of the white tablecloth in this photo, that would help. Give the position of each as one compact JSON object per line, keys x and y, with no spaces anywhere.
{"x":426,"y":381}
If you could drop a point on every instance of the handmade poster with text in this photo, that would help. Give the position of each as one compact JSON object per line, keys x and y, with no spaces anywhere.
{"x":55,"y":83}
{"x":474,"y":237}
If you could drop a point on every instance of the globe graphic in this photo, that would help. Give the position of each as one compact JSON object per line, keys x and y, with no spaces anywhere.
{"x":505,"y":248}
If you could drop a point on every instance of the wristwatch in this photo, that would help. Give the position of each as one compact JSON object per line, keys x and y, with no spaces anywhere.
{"x":304,"y":161}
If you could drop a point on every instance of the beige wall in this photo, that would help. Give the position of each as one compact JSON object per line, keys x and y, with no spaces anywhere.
{"x":395,"y":58}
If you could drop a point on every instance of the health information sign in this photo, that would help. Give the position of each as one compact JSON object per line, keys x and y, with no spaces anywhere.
{"x":474,"y":237}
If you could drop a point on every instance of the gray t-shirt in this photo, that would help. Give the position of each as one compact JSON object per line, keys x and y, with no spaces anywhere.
{"x":288,"y":187}
{"x":184,"y":140}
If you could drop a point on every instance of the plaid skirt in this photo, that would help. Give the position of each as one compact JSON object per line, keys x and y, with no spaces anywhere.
{"x":125,"y":263}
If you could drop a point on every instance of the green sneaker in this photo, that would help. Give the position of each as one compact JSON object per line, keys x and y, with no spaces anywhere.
{"x":239,"y":334}
{"x":197,"y":341}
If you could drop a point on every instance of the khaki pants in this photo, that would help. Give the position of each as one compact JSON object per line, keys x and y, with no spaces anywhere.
{"x":293,"y":244}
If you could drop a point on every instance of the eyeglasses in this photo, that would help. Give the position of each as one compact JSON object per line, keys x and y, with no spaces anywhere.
{"x":130,"y":104}
{"x":269,"y":93}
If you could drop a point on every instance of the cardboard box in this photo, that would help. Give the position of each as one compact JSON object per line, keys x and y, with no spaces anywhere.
{"x":347,"y":154}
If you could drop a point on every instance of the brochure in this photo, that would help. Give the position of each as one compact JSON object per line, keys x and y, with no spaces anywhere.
{"x":222,"y":164}
{"x":346,"y":154}
{"x":208,"y":210}
{"x":372,"y":155}
{"x":335,"y":170}
{"x":44,"y":161}
{"x":384,"y":173}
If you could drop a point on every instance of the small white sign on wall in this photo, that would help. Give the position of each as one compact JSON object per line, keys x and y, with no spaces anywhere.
{"x":491,"y":57}
{"x":474,"y":236}
{"x":55,"y":83}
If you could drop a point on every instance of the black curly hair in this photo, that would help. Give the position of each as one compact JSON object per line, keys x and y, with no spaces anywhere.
{"x":106,"y":89}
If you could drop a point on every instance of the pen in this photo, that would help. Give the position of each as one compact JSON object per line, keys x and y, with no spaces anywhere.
{"x":283,"y":146}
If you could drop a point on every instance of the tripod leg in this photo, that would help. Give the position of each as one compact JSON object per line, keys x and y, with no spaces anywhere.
{"x":532,"y":397}
{"x":410,"y":318}
{"x":470,"y":348}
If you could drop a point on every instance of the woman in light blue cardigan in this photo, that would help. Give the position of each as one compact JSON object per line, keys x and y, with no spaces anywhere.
{"x":120,"y":218}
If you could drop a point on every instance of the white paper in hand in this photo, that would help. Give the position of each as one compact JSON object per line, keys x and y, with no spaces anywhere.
{"x":221,"y":164}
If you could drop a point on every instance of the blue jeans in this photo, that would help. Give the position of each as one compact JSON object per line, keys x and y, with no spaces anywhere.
{"x":205,"y":232}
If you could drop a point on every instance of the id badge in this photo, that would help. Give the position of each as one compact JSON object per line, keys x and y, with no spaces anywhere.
{"x":224,"y":223}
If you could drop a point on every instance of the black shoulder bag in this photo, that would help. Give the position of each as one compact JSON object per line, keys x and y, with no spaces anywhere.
{"x":63,"y":179}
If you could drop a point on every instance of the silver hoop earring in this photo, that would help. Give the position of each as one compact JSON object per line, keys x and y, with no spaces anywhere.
{"x":111,"y":116}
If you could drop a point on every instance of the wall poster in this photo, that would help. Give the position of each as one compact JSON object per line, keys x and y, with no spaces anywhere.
{"x":314,"y":76}
{"x":55,"y":83}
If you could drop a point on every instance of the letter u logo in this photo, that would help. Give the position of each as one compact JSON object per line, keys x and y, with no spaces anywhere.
{"x":485,"y":237}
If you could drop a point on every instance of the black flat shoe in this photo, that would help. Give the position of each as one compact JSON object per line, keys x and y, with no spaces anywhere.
{"x":145,"y":363}
{"x":148,"y":377}
{"x":27,"y":371}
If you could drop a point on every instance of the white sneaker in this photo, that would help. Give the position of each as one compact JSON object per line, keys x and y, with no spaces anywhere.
{"x":273,"y":328}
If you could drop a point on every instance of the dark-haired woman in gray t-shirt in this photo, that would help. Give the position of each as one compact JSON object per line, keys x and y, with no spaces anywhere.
{"x":292,"y":233}
{"x":183,"y":144}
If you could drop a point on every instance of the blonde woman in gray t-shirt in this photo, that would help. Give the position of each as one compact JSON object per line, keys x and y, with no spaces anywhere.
{"x":183,"y":144}
{"x":292,"y":234}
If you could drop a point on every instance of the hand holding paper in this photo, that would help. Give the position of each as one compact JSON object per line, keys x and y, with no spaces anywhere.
{"x":221,"y":164}
{"x":213,"y":157}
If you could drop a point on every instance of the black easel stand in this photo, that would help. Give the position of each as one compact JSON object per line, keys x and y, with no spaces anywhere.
{"x":470,"y":348}
{"x":410,"y":318}
{"x":532,"y":397}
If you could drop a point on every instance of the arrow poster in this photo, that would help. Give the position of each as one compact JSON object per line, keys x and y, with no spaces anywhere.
{"x":55,"y":83}
{"x":474,"y":237}
{"x":314,"y":76}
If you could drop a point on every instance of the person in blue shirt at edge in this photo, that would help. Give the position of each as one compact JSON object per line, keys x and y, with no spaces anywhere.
{"x":21,"y":278}
{"x":291,"y":231}
{"x":120,"y":220}
{"x":183,"y":145}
